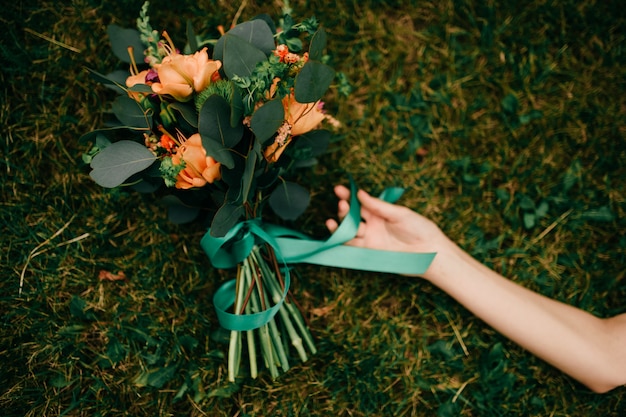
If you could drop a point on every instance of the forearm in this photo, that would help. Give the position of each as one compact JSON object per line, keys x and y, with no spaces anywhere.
{"x":587,"y":348}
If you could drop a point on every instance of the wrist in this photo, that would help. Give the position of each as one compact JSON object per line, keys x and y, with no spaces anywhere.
{"x":448,"y":259}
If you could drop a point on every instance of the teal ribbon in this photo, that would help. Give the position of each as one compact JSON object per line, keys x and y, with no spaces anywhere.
{"x":293,"y":247}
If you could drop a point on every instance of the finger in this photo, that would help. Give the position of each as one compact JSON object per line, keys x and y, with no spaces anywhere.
{"x":374,"y":206}
{"x":342,"y":192}
{"x":342,"y":209}
{"x":331,"y":225}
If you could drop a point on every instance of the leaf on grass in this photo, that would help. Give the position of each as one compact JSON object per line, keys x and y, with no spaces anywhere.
{"x":156,"y":378}
{"x":602,"y":214}
{"x":225,"y":391}
{"x":529,"y":220}
{"x":119,"y":161}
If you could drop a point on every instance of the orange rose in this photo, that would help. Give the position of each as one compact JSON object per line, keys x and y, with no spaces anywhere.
{"x":302,"y":117}
{"x":199,"y":168}
{"x":275,"y":150}
{"x":181,"y":75}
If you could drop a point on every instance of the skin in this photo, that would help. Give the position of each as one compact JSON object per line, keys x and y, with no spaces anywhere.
{"x":592,"y":350}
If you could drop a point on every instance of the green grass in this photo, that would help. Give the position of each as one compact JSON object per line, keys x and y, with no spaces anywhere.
{"x":505,"y":122}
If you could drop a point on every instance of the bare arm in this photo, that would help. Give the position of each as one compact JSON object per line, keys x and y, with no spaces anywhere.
{"x":589,"y":349}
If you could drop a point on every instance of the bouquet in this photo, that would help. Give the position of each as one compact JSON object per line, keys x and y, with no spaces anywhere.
{"x":216,"y":128}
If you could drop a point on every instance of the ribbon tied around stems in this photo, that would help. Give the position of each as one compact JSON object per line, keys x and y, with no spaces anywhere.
{"x":294,"y":247}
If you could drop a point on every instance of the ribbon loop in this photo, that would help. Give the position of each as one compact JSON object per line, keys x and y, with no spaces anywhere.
{"x":294,"y":247}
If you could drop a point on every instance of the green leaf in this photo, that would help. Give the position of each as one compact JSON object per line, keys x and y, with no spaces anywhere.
{"x":542,"y":210}
{"x":236,"y":106}
{"x":178,"y":212}
{"x":187,"y":111}
{"x":289,"y":200}
{"x":121,"y":39}
{"x":248,"y":175}
{"x":119,"y":161}
{"x":131,"y":114}
{"x":240,"y":57}
{"x":192,"y":41}
{"x":529,"y":220}
{"x":115,"y":80}
{"x":530,"y":116}
{"x":156,"y":378}
{"x":254,"y":32}
{"x":312,"y":81}
{"x":311,"y":144}
{"x":267,"y":119}
{"x":317,"y":46}
{"x":225,"y":391}
{"x":225,"y":219}
{"x":216,"y":131}
{"x":510,"y":104}
{"x":602,"y":214}
{"x":526,"y":203}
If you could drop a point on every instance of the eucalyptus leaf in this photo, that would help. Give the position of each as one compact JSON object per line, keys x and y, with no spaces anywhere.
{"x":289,"y":200}
{"x":177,"y":211}
{"x":236,"y":106}
{"x":104,"y":131}
{"x":312,"y":81}
{"x":187,"y":111}
{"x":317,"y":45}
{"x":192,"y":41}
{"x":256,"y":32}
{"x":216,"y":131}
{"x":141,"y":88}
{"x":248,"y":175}
{"x":119,"y":161}
{"x":312,"y":143}
{"x":115,"y":80}
{"x":130,"y":113}
{"x":182,"y":214}
{"x":121,"y":39}
{"x":225,"y":219}
{"x":240,"y":57}
{"x":267,"y":119}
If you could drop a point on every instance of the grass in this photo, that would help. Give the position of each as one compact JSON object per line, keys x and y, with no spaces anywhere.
{"x":505,"y":122}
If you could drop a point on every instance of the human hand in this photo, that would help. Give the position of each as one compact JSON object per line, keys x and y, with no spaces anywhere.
{"x":386,"y":226}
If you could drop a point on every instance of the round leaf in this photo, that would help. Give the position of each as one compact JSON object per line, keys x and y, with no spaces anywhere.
{"x":267,"y":119}
{"x":218,"y":135}
{"x":240,"y":57}
{"x":130,"y":113}
{"x":312,"y":81}
{"x":289,"y":200}
{"x":119,"y":161}
{"x":317,"y":45}
{"x":121,"y":39}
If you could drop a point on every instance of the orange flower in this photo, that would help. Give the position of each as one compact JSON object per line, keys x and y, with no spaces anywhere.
{"x":275,"y":150}
{"x":200,"y":169}
{"x":181,"y":75}
{"x":302,"y":117}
